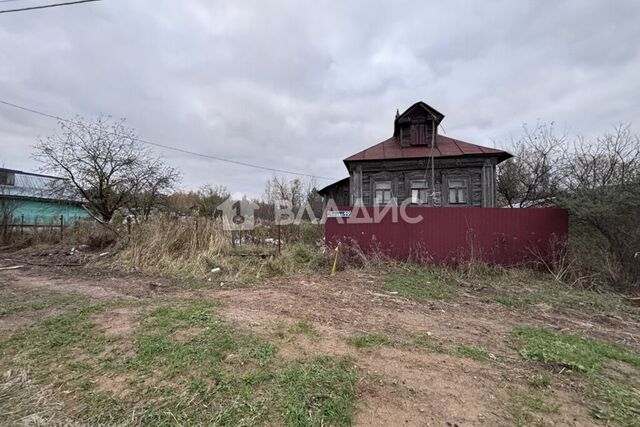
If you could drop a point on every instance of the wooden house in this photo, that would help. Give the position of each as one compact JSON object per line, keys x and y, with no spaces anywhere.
{"x":420,"y":166}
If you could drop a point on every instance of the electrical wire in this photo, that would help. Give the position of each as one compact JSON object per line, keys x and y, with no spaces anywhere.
{"x":193,"y":153}
{"x":46,"y":6}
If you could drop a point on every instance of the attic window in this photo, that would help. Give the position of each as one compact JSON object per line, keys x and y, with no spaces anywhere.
{"x":422,"y":132}
{"x":7,"y":178}
{"x":418,"y":134}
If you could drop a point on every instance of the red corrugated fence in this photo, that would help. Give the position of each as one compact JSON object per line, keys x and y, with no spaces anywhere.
{"x":451,"y":235}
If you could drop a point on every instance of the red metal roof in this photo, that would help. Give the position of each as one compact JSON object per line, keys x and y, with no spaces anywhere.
{"x":445,"y":147}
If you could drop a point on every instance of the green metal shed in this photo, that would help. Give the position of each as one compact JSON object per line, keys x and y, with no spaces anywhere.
{"x":36,"y":199}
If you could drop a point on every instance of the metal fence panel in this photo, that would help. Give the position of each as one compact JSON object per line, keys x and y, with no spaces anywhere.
{"x":450,"y":235}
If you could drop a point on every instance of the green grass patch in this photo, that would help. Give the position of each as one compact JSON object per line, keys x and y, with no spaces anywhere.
{"x":57,"y":335}
{"x":318,"y":393}
{"x":419,"y":285}
{"x":20,"y":302}
{"x":303,"y":327}
{"x":613,"y":391}
{"x":616,"y":400}
{"x":291,"y":332}
{"x":572,"y":351}
{"x":180,"y":365}
{"x":521,"y":289}
{"x":418,"y":343}
{"x":424,"y":341}
{"x":526,"y":408}
{"x":369,"y":340}
{"x":477,"y":353}
{"x":536,"y":402}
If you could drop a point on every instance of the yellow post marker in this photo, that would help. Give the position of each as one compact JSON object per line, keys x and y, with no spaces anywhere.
{"x":335,"y":260}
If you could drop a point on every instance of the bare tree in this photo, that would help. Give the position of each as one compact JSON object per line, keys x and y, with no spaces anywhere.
{"x":611,"y":160}
{"x":155,"y":180}
{"x":316,"y":202}
{"x":180,"y":203}
{"x":104,"y":161}
{"x":209,"y":198}
{"x":295,"y":191}
{"x":8,"y":205}
{"x":531,"y":178}
{"x":598,"y":181}
{"x":264,"y":210}
{"x":601,"y":189}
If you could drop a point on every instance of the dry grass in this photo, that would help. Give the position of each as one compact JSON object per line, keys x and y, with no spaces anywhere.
{"x":20,"y":395}
{"x":84,"y":232}
{"x":195,"y":251}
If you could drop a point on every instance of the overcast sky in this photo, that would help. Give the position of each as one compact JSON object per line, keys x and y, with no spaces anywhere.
{"x":301,"y":85}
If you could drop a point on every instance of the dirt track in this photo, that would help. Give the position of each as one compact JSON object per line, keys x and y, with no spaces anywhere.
{"x":398,"y":384}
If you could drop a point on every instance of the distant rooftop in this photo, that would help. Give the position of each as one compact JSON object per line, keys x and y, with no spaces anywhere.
{"x":21,"y":184}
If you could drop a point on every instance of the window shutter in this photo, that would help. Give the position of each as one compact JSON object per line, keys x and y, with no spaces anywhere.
{"x":418,"y":134}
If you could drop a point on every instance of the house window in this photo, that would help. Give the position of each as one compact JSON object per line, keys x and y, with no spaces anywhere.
{"x":383,"y":192}
{"x":7,"y":178}
{"x":419,"y":192}
{"x":458,"y":189}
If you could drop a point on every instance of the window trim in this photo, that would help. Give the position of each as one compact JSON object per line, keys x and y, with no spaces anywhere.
{"x":424,"y":188}
{"x":390,"y":190}
{"x":466,"y":186}
{"x":380,"y":176}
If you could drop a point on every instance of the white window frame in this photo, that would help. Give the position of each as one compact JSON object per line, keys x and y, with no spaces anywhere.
{"x":461,"y":187}
{"x":416,"y":187}
{"x":380,"y":193}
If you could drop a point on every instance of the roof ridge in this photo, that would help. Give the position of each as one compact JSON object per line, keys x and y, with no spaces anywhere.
{"x":447,"y":147}
{"x":30,"y":173}
{"x":455,"y":142}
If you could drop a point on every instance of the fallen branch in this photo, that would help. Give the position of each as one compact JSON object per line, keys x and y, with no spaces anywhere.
{"x":13,"y":267}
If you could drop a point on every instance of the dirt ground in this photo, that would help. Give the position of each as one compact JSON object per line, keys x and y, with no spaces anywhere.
{"x":399,"y":384}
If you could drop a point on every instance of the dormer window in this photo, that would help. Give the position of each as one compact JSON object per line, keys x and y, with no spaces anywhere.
{"x":417,"y":126}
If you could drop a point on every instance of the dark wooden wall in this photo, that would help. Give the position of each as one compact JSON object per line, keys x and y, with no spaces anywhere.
{"x":339,"y":193}
{"x":480,"y":172}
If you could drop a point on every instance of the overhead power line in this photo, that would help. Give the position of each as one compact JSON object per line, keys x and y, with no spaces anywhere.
{"x":45,"y":6}
{"x":180,"y":150}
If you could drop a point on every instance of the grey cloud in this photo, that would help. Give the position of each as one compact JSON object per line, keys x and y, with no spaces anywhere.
{"x":301,"y":85}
